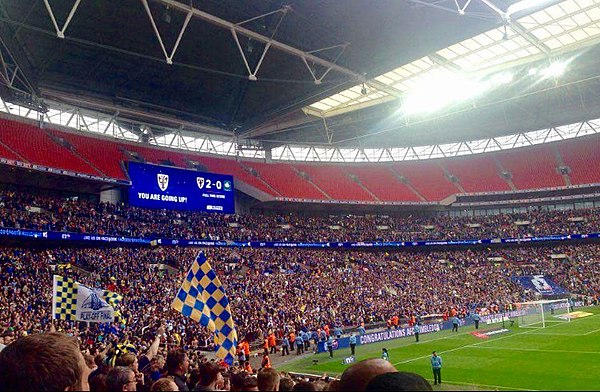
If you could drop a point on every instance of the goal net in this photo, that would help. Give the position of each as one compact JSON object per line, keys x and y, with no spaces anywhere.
{"x":540,"y":314}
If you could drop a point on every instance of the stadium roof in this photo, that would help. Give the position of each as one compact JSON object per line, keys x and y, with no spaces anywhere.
{"x":191,"y":65}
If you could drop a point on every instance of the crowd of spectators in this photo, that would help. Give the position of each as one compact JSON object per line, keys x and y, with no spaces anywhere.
{"x":273,"y":292}
{"x":79,"y":216}
{"x":53,"y":362}
{"x":278,"y":291}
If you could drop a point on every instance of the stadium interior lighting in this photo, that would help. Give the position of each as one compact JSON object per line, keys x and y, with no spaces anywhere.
{"x":445,"y":88}
{"x":554,"y":70}
{"x":525,"y":5}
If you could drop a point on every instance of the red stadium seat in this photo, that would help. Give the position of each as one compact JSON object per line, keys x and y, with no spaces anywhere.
{"x":286,"y":181}
{"x":104,"y":154}
{"x":36,"y":146}
{"x":532,"y":167}
{"x":382,"y":182}
{"x":477,"y":173}
{"x":334,"y":181}
{"x":427,"y":178}
{"x":583,"y":157}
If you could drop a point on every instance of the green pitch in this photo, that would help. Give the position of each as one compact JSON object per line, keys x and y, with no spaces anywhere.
{"x":563,"y":356}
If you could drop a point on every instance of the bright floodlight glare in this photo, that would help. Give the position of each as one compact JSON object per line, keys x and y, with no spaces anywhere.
{"x":437,"y":91}
{"x":500,"y":79}
{"x":445,"y":88}
{"x":554,"y":70}
{"x":524,"y":5}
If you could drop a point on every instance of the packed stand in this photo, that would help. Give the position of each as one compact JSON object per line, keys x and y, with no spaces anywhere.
{"x":282,"y":290}
{"x":82,"y":216}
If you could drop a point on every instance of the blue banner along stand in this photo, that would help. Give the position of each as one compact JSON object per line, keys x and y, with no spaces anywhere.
{"x":79,"y":237}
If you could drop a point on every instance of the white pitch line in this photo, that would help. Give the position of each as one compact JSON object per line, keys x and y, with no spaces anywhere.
{"x":485,"y":341}
{"x":538,"y":350}
{"x":591,"y":332}
{"x":482,"y":385}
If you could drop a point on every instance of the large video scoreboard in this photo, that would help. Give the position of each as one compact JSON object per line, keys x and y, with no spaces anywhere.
{"x":154,"y":186}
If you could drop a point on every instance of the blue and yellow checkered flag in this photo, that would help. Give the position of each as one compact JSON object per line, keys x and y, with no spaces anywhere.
{"x":73,"y":301}
{"x":114,"y":300}
{"x":202,"y":298}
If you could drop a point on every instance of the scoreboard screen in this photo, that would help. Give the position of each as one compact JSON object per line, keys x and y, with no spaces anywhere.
{"x":154,"y":186}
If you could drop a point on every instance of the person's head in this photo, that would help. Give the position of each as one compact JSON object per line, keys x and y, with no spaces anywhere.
{"x":99,"y":360}
{"x":321,"y":385}
{"x":357,"y":376}
{"x":399,"y":381}
{"x":44,"y":362}
{"x":334,"y":385}
{"x":121,"y":378}
{"x":268,"y":380}
{"x":237,"y":381}
{"x":434,"y":354}
{"x":250,"y":384}
{"x":165,"y":384}
{"x":98,"y":382}
{"x":129,"y":360}
{"x":8,"y":337}
{"x":89,"y":361}
{"x":304,"y":386}
{"x":210,"y":375}
{"x":160,"y":361}
{"x":286,"y":384}
{"x":177,"y":362}
{"x":97,"y":379}
{"x":384,"y":350}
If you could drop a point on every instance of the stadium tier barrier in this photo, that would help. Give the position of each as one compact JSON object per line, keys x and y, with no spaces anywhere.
{"x":406,"y":332}
{"x":101,"y":238}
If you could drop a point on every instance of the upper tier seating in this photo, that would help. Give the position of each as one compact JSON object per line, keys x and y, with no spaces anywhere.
{"x":583,"y":157}
{"x":477,"y":173}
{"x":380,"y":180}
{"x":36,"y":146}
{"x":334,"y":181}
{"x":532,"y":170}
{"x":286,"y":181}
{"x":232,"y":167}
{"x":106,"y":155}
{"x":5,"y":152}
{"x":427,"y":178}
{"x":531,"y":167}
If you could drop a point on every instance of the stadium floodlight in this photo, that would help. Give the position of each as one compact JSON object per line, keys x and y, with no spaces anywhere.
{"x":525,"y":5}
{"x":438,"y":90}
{"x":500,"y":79}
{"x":554,"y":70}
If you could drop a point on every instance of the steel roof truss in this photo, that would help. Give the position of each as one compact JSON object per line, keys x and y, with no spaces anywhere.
{"x":61,"y":32}
{"x":168,"y":58}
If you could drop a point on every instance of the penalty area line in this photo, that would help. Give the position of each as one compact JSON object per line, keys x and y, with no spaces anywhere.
{"x":537,"y":350}
{"x":480,"y":343}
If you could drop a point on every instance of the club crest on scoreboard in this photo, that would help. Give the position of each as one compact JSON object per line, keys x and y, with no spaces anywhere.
{"x":163,"y":181}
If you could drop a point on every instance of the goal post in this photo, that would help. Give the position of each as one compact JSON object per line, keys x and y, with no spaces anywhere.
{"x":540,"y":314}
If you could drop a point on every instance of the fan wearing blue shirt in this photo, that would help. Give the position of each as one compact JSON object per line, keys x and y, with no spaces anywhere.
{"x":455,"y":323}
{"x":436,"y":366}
{"x":352,"y":343}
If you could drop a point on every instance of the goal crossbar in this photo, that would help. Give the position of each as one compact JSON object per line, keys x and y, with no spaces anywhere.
{"x":537,"y":314}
